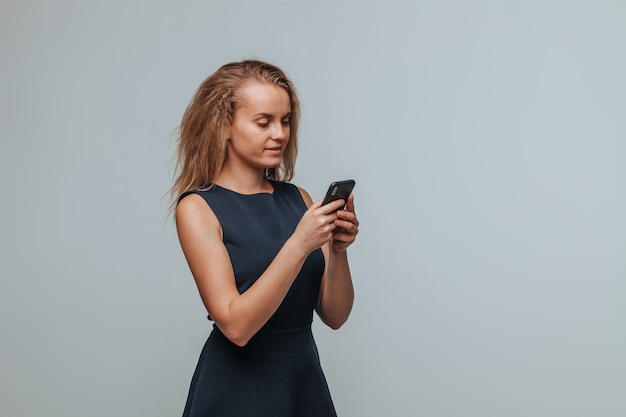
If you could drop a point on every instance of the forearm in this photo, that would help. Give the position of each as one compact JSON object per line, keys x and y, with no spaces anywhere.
{"x":248,"y":312}
{"x":337,"y":292}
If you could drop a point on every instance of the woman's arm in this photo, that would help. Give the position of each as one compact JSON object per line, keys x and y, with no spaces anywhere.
{"x":240,"y":316}
{"x":336,"y":294}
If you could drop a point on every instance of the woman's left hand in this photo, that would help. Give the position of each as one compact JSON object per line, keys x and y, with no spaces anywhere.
{"x":347,"y":227}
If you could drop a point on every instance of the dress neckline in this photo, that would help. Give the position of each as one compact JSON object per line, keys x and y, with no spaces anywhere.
{"x":261,"y":193}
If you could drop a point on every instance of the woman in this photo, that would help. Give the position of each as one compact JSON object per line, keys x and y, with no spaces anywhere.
{"x":264,"y":256}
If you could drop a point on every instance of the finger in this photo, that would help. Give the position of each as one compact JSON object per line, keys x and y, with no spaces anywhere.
{"x":347,"y":216}
{"x":332,"y":206}
{"x":343,"y":238}
{"x":350,"y":203}
{"x":348,"y":226}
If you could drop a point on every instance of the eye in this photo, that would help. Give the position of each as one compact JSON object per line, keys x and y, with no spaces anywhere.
{"x":263,"y":123}
{"x":285,"y":122}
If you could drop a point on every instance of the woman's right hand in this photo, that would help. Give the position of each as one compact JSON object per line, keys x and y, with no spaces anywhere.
{"x":316,"y":225}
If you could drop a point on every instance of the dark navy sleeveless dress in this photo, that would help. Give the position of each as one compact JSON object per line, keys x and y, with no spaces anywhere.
{"x":278,"y":373}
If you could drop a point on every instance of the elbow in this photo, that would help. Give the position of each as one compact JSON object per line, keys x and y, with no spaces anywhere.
{"x":238,"y":337}
{"x":240,"y":342}
{"x":336,"y":325}
{"x":234,"y":328}
{"x":334,"y":319}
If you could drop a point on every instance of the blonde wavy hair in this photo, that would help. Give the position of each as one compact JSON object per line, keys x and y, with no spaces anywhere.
{"x":203,"y":132}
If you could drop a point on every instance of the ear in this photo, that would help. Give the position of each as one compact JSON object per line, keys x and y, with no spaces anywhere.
{"x":228,"y":132}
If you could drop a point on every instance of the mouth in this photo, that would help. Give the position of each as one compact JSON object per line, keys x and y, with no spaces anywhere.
{"x":275,"y":150}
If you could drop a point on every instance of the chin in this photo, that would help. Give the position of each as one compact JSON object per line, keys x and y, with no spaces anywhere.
{"x":272,"y":164}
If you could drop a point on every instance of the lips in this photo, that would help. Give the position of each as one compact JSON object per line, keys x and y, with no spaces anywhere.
{"x":275,"y":150}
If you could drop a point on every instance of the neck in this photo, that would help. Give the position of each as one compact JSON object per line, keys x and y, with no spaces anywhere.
{"x":246,"y":182}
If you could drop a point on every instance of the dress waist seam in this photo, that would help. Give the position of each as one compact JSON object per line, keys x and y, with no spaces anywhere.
{"x":306,"y":326}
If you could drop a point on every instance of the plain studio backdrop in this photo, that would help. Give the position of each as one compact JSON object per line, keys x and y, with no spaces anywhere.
{"x":488,"y":142}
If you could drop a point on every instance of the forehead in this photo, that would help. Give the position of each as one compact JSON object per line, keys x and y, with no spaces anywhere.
{"x":259,"y":97}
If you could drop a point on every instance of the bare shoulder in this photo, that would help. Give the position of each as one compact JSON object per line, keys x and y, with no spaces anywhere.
{"x":305,"y":196}
{"x":193,"y":213}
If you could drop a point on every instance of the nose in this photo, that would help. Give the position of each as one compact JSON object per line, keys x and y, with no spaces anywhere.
{"x":280,"y":132}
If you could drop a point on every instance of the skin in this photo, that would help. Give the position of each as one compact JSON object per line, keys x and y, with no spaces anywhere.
{"x":258,"y":133}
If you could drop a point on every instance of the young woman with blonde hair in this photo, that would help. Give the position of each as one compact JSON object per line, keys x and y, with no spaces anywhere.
{"x":264,"y":255}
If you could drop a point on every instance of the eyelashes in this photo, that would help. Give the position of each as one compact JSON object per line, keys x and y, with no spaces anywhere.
{"x":264,"y":124}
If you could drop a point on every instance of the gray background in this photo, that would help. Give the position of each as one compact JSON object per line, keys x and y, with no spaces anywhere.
{"x":487,"y":139}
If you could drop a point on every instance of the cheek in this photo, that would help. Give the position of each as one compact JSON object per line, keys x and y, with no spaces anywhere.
{"x":240,"y":131}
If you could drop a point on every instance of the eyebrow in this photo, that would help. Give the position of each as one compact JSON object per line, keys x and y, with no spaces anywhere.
{"x":268,"y":115}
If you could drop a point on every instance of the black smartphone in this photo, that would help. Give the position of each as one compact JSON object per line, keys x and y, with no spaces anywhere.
{"x":339,"y":190}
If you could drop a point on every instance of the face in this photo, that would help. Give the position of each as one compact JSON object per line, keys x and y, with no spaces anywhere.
{"x":260,"y":128}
